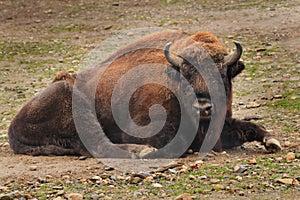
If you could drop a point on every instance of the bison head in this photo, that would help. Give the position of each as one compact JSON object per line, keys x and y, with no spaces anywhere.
{"x":228,"y":66}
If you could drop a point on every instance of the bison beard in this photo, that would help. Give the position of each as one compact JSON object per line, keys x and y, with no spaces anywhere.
{"x":45,"y":125}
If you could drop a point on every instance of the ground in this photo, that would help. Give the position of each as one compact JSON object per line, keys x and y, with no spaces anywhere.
{"x":39,"y":39}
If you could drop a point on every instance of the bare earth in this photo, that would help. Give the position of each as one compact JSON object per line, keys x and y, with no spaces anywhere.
{"x":39,"y":39}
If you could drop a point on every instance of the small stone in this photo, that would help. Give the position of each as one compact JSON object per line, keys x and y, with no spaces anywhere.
{"x":249,"y":118}
{"x":109,"y":168}
{"x":260,"y":49}
{"x":206,"y":191}
{"x":60,"y":60}
{"x":173,"y":171}
{"x":293,"y":97}
{"x":137,"y":193}
{"x":184,"y":196}
{"x":288,"y":181}
{"x":239,"y":178}
{"x":252,"y":105}
{"x":58,"y":198}
{"x":236,"y":168}
{"x":101,"y":195}
{"x":223,"y":153}
{"x":113,"y":178}
{"x":190,"y":151}
{"x":135,"y":180}
{"x":49,"y":11}
{"x":95,"y":196}
{"x":241,"y":193}
{"x":95,"y":178}
{"x":213,"y":180}
{"x":130,"y":34}
{"x":271,"y":9}
{"x":252,"y":161}
{"x":290,"y":156}
{"x":219,"y":187}
{"x":203,"y":177}
{"x":65,"y":177}
{"x":199,"y":162}
{"x":49,"y":176}
{"x":33,"y":168}
{"x":57,"y":187}
{"x":149,"y":178}
{"x":75,"y":196}
{"x":107,"y":27}
{"x":5,"y":144}
{"x":75,"y":61}
{"x":278,"y":96}
{"x":287,"y":144}
{"x":279,"y":159}
{"x":144,"y":174}
{"x":71,"y":70}
{"x":82,"y":158}
{"x":192,"y":177}
{"x":104,"y":182}
{"x":263,"y":80}
{"x":157,"y":185}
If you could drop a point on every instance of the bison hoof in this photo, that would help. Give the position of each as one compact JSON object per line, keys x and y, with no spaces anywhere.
{"x":272,"y":145}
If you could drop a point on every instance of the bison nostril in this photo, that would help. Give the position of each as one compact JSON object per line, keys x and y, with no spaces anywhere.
{"x":203,"y":106}
{"x":208,"y":108}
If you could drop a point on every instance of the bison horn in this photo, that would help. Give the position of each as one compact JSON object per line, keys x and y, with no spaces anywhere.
{"x":173,"y":60}
{"x":235,"y":56}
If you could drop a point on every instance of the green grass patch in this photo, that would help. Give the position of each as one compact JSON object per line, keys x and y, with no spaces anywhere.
{"x":69,"y":28}
{"x":10,"y":49}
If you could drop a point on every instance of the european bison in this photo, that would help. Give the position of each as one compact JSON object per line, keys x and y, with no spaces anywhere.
{"x":45,"y":125}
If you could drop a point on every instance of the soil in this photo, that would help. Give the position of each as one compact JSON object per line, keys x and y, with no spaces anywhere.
{"x":39,"y":38}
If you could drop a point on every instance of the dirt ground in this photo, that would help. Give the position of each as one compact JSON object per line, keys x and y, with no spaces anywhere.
{"x":39,"y":39}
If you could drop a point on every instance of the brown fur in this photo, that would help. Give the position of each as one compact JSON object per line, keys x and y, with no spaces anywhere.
{"x":45,"y":124}
{"x":64,"y":76}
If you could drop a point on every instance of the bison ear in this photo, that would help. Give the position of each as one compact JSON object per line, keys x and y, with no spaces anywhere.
{"x":237,"y":68}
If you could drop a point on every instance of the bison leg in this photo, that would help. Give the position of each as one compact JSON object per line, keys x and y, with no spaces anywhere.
{"x":218,"y":146}
{"x":236,"y":132}
{"x":21,"y":148}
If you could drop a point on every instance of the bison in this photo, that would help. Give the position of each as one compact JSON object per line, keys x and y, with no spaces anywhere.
{"x":46,"y":124}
